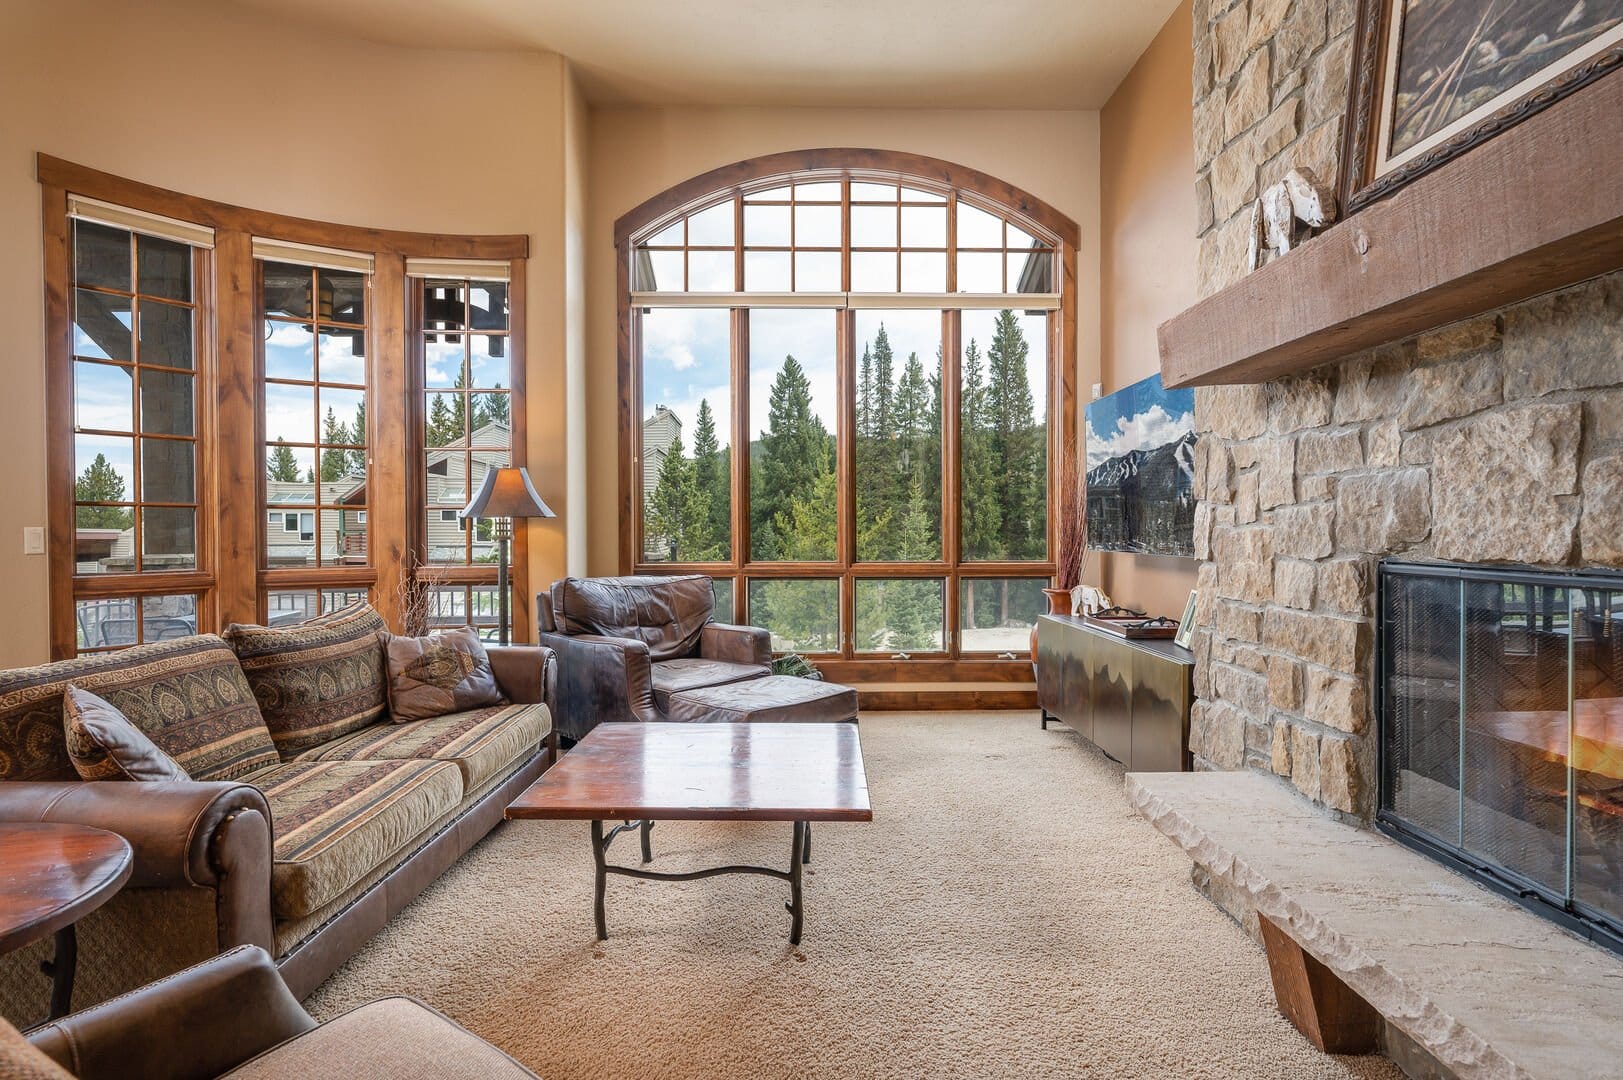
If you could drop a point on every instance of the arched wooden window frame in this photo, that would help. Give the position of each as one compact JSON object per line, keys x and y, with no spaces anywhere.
{"x":230,"y":579}
{"x":933,"y":174}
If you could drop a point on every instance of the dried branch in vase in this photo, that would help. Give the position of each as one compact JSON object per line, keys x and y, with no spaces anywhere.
{"x":415,"y":595}
{"x":1073,"y":525}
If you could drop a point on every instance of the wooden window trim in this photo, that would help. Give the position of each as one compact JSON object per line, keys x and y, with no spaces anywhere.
{"x":737,"y":182}
{"x":230,"y":581}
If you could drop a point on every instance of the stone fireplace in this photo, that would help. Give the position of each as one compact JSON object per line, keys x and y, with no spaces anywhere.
{"x":1497,"y":440}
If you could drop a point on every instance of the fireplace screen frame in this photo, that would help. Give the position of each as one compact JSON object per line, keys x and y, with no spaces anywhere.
{"x":1559,"y":905}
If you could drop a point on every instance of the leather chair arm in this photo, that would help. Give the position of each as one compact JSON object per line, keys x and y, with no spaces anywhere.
{"x":526,"y":673}
{"x":735,"y":644}
{"x":601,"y":678}
{"x":198,"y":1023}
{"x":174,"y":827}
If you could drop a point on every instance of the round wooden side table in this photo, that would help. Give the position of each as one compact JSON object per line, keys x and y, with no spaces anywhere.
{"x":51,"y":876}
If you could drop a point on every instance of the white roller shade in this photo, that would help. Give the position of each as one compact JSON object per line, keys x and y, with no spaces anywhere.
{"x":139,"y":221}
{"x":955,"y":301}
{"x":472,"y":269}
{"x":309,"y":255}
{"x":739,"y":299}
{"x":854,"y":301}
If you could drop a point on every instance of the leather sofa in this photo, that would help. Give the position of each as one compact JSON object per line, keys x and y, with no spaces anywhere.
{"x":625,"y":645}
{"x":307,"y":858}
{"x":234,"y":1015}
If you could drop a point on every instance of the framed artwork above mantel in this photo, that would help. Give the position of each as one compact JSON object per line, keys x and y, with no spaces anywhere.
{"x":1433,"y":79}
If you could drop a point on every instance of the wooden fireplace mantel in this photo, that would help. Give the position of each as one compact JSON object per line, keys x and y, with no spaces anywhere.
{"x":1537,"y":208}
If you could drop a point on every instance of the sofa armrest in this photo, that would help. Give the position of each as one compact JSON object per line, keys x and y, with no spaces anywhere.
{"x":527,"y":674}
{"x":601,"y":678}
{"x":735,"y":644}
{"x":172,"y":825}
{"x":195,"y":1024}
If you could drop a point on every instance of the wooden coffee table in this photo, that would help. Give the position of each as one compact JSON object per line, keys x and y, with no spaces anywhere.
{"x":642,"y":773}
{"x":52,"y":875}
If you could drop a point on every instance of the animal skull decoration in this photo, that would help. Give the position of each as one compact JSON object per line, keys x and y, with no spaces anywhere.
{"x":1287,"y":213}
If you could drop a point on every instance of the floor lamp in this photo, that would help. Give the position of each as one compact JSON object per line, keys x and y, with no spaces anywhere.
{"x":504,"y":495}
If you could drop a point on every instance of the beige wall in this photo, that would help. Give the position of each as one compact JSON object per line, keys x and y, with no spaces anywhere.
{"x":239,"y":108}
{"x":639,"y":152}
{"x":1148,"y":252}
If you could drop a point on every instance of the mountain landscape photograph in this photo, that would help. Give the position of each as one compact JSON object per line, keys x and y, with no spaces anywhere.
{"x":1141,"y":470}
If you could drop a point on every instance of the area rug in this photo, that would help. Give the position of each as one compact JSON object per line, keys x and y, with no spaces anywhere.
{"x":1007,"y":914}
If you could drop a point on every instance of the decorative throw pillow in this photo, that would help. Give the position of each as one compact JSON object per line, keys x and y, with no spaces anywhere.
{"x":445,"y":672}
{"x":318,"y":680}
{"x":104,"y":745}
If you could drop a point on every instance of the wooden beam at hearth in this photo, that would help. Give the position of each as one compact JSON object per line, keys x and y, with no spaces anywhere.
{"x":1535,"y":209}
{"x":1314,"y":1000}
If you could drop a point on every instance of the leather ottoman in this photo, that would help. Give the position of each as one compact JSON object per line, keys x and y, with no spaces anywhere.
{"x":776,"y":699}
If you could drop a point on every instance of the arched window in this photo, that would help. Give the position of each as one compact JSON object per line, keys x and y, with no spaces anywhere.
{"x":892,"y":338}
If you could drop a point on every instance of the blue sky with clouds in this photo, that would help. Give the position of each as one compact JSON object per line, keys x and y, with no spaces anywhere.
{"x":1141,"y":416}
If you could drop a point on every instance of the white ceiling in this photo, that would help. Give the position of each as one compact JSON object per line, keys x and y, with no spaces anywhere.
{"x":1003,"y":54}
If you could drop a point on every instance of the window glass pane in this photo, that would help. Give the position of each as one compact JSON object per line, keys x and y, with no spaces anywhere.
{"x":105,"y":468}
{"x":817,"y":271}
{"x":343,"y":536}
{"x":463,"y":605}
{"x":492,"y":420}
{"x":657,"y":271}
{"x":722,"y":587}
{"x":980,"y":272}
{"x":290,"y":606}
{"x":766,"y":226}
{"x":777,"y":194}
{"x":792,"y":420}
{"x":101,"y":256}
{"x":445,"y":422}
{"x":910,"y":194}
{"x":1032,"y":271}
{"x":340,"y":411}
{"x":827,"y":191}
{"x":901,"y":615}
{"x":487,"y":303}
{"x":817,"y":226}
{"x":488,"y":362}
{"x":766,"y":271}
{"x":101,"y":326}
{"x":444,"y":305}
{"x":343,"y":296}
{"x":710,"y":271}
{"x":447,"y":543}
{"x":924,"y":271}
{"x":168,"y":538}
{"x":167,"y":471}
{"x":442,"y":360}
{"x":290,"y":413}
{"x":166,"y":403}
{"x":1004,"y":435}
{"x":166,"y":334}
{"x":864,"y":192}
{"x":670,"y":236}
{"x":167,"y":617}
{"x":285,"y":290}
{"x":873,"y":226}
{"x":119,"y":622}
{"x":102,"y":397}
{"x":686,"y":436}
{"x":996,"y":614}
{"x":924,"y":226}
{"x":290,"y":351}
{"x":343,"y":356}
{"x":802,"y":615}
{"x":873,"y":271}
{"x":289,"y":473}
{"x":343,"y":476}
{"x":1019,"y":238}
{"x":898,"y":422}
{"x":977,"y":228}
{"x":165,"y":268}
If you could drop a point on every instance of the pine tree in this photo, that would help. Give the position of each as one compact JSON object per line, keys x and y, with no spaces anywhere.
{"x":281,"y":466}
{"x":794,"y":451}
{"x":1016,"y":442}
{"x":444,"y":421}
{"x":913,"y":607}
{"x":100,"y":482}
{"x":334,"y":463}
{"x":357,"y":434}
{"x":865,"y":394}
{"x":711,"y":480}
{"x":673,"y":504}
{"x":497,"y":407}
{"x":980,"y":509}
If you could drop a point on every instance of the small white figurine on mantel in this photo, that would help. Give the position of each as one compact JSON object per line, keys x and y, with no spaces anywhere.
{"x":1288,"y":213}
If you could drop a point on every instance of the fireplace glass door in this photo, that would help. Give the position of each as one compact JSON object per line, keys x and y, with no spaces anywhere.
{"x":1501,"y":722}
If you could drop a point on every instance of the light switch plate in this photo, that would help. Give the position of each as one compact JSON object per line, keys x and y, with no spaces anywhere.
{"x":33,"y":540}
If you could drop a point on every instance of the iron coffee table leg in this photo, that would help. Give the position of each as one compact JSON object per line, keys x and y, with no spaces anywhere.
{"x":799,"y":855}
{"x":61,"y":967}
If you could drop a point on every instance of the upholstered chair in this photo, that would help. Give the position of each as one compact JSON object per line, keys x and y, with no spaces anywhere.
{"x":626,"y":644}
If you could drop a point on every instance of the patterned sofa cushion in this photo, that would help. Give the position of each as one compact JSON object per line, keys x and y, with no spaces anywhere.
{"x":188,"y":695}
{"x":334,"y":822}
{"x":482,"y":742}
{"x":439,"y":674}
{"x":317,"y":681}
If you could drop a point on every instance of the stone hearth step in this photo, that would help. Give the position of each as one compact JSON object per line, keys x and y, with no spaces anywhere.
{"x":1485,"y":987}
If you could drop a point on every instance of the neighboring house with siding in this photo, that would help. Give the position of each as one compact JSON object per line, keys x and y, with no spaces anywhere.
{"x":661,"y":428}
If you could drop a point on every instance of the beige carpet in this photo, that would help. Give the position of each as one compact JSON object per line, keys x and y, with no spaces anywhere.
{"x":1005,"y":915}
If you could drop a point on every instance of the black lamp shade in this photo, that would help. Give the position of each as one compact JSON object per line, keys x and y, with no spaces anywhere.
{"x":506,"y":493}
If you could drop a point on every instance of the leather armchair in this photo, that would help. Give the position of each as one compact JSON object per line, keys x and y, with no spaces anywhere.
{"x":235,"y":1011}
{"x":625,"y":644}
